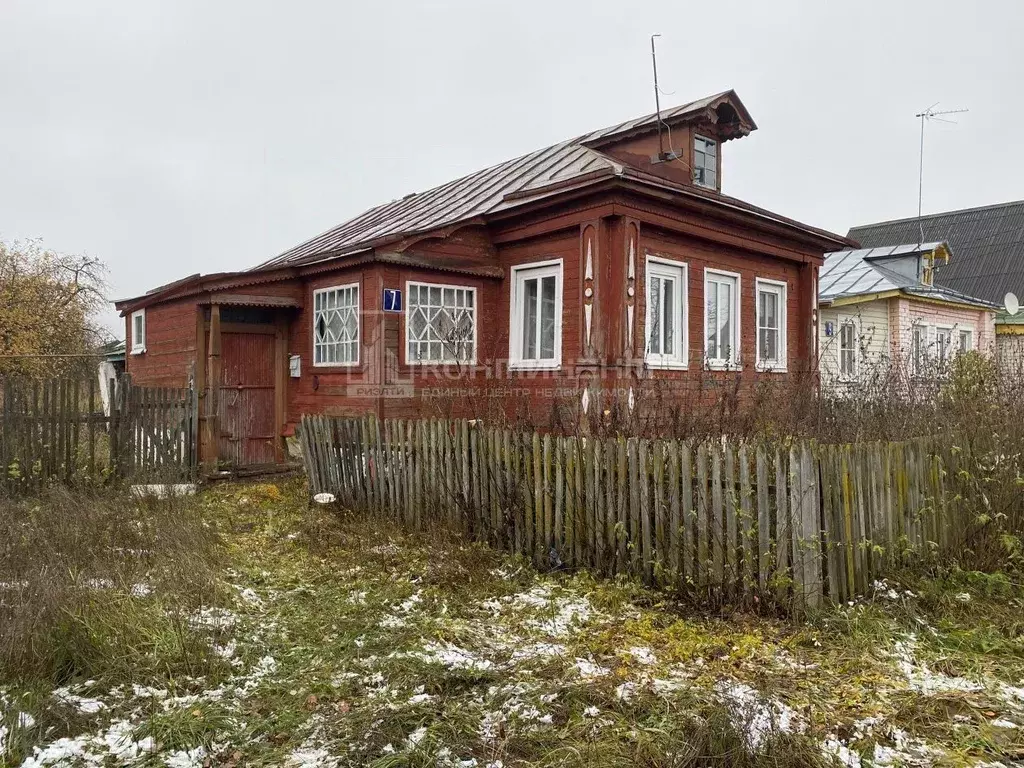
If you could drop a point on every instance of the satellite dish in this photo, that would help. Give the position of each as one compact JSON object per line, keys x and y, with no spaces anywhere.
{"x":1011,"y":304}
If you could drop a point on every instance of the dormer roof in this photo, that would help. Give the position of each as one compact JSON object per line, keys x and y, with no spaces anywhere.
{"x":724,"y":110}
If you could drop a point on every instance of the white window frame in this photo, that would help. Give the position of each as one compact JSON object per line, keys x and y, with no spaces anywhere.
{"x":919,"y":362}
{"x":138,"y":345}
{"x":408,"y":312}
{"x":359,"y":325}
{"x":519,"y":274}
{"x":969,"y":333}
{"x":950,"y":350}
{"x":847,"y":321}
{"x":677,"y":271}
{"x":778,"y":288}
{"x":717,"y":144}
{"x":721,"y":364}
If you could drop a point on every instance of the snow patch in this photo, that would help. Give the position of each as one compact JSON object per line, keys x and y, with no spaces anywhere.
{"x":757,"y":717}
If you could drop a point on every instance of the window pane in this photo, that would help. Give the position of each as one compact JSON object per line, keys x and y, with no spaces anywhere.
{"x":668,"y":317}
{"x":654,"y":332}
{"x":769,"y":310}
{"x":725,"y":310}
{"x":771,"y":345}
{"x":547,"y":340}
{"x":530,"y":319}
{"x":711,"y":321}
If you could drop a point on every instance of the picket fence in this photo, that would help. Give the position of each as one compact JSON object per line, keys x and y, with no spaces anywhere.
{"x":58,"y":430}
{"x":793,"y":522}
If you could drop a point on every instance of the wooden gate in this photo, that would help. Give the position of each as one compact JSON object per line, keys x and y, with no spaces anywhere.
{"x":246,"y":398}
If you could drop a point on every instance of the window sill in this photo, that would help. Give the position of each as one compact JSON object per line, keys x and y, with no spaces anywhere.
{"x":138,"y":351}
{"x":333,"y":366}
{"x":534,"y":366}
{"x":722,"y":366}
{"x":441,"y":363}
{"x":762,"y":368}
{"x":666,"y":365}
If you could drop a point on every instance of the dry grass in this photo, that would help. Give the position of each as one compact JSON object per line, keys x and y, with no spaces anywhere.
{"x":93,"y":582}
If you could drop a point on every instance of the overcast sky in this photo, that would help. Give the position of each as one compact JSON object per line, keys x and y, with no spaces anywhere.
{"x":184,"y":136}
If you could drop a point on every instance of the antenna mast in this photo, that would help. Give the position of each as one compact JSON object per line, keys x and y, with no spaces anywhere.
{"x":928,"y":115}
{"x":657,"y":99}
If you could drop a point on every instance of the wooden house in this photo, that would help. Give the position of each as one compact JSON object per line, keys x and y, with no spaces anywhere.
{"x":566,"y":275}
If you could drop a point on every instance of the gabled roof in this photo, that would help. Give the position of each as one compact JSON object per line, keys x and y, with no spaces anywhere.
{"x":988,"y":241}
{"x":506,"y":185}
{"x":867,"y":271}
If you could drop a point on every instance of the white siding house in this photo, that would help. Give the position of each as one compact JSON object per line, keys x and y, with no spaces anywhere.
{"x":880,"y":313}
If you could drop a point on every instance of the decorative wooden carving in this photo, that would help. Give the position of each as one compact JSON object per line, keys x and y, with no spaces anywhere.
{"x":588,"y":296}
{"x":631,"y":289}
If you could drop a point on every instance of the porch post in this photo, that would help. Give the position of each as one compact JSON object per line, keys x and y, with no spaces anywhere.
{"x":200,"y":384}
{"x":212,"y":424}
{"x":280,"y":382}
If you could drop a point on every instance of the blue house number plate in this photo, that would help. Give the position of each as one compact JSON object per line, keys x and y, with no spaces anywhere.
{"x":392,"y":300}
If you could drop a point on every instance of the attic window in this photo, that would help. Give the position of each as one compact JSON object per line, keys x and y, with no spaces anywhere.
{"x":705,"y":162}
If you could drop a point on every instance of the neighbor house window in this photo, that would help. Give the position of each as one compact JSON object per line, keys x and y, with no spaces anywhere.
{"x":705,"y":162}
{"x":336,"y":325}
{"x":943,"y":344}
{"x":721,"y":318}
{"x":138,"y":332}
{"x":848,"y":349}
{"x":666,"y":313}
{"x":536,"y":337}
{"x":919,"y":349}
{"x":440,"y":325}
{"x":771,"y":325}
{"x":966,"y":340}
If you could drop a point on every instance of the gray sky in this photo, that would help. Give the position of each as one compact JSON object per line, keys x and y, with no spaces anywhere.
{"x":182,"y":136}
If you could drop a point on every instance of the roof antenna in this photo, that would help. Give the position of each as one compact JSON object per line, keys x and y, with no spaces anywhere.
{"x":928,"y":115}
{"x":657,"y":99}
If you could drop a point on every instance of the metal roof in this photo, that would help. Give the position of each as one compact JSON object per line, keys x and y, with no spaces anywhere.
{"x":488,"y":191}
{"x":988,"y":242}
{"x":863,"y":272}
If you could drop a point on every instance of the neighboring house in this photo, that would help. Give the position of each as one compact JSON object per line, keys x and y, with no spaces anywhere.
{"x":552,"y":279}
{"x":881,"y":313}
{"x":989,"y":247}
{"x":111,"y":366}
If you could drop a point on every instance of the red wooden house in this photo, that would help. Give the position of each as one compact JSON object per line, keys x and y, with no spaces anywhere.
{"x":565,"y":273}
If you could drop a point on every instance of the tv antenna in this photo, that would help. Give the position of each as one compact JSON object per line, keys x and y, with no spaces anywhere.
{"x":926,"y":116}
{"x":657,"y":98}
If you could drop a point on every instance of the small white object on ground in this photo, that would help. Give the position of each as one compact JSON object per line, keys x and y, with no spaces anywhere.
{"x":324,"y":498}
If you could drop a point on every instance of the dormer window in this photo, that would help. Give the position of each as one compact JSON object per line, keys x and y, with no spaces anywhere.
{"x":705,"y":162}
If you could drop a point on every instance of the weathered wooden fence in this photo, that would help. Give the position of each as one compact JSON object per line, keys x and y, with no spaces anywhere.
{"x":792,"y":521}
{"x":58,"y":429}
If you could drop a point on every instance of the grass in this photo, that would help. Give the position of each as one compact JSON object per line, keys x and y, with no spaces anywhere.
{"x":274,"y":634}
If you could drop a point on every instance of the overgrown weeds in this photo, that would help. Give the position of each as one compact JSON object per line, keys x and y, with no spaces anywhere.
{"x":99,"y":583}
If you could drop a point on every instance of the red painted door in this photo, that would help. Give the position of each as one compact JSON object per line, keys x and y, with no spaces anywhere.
{"x":247,"y":399}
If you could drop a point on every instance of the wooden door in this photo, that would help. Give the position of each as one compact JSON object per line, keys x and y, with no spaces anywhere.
{"x":246,"y":399}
